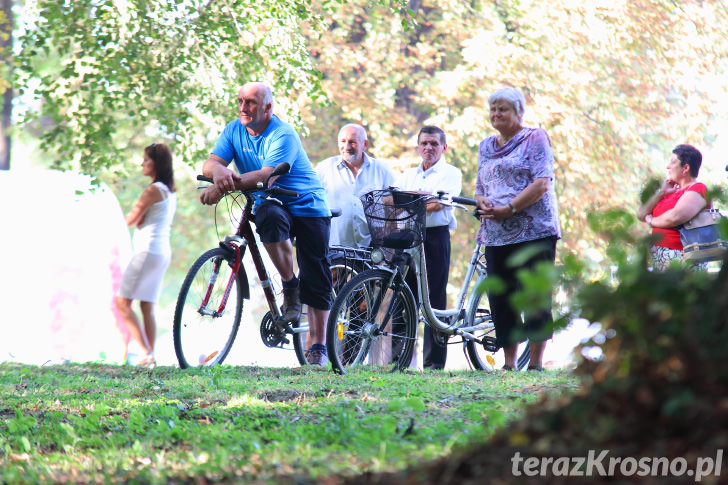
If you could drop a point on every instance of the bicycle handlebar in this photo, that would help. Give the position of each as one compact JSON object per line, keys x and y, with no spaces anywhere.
{"x":464,"y":201}
{"x":455,"y":201}
{"x":269,"y":191}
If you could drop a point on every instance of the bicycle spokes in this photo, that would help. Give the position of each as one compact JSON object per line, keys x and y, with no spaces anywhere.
{"x":203,"y":335}
{"x":371,"y":323}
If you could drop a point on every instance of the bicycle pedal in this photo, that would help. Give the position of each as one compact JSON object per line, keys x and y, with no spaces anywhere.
{"x":284,"y":324}
{"x":490,"y":344}
{"x":440,"y":338}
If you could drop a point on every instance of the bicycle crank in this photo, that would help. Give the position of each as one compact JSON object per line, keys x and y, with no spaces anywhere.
{"x":273,"y":334}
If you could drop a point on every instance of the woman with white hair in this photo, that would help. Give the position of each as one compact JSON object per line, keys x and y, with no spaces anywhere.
{"x":517,"y":206}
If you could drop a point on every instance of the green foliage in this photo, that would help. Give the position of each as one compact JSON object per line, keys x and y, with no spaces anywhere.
{"x":111,"y":75}
{"x":89,"y":423}
{"x":663,"y":339}
{"x":658,"y":389}
{"x":650,"y":187}
{"x":617,"y":228}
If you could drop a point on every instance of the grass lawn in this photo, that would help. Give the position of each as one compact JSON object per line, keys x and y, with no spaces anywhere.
{"x":89,"y":423}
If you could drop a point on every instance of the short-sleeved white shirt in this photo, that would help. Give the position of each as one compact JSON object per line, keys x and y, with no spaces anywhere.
{"x":343,"y":190}
{"x":441,"y":176}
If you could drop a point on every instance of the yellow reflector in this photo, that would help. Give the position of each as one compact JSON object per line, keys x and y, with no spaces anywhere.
{"x":340,"y":330}
{"x":490,"y":359}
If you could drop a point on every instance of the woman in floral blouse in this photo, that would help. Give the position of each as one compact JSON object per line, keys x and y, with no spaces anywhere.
{"x":518,"y":210}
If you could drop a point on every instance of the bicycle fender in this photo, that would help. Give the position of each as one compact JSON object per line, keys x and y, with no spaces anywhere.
{"x":244,"y":288}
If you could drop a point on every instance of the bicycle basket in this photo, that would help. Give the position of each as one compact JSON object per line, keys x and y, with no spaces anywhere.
{"x":396,"y":219}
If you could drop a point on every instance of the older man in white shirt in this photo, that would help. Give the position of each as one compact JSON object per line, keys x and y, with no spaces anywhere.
{"x":346,"y":177}
{"x":431,"y":176}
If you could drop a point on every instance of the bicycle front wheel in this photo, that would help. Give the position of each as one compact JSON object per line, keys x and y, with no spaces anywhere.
{"x":204,"y":329}
{"x":371,"y":323}
{"x":479,"y":314}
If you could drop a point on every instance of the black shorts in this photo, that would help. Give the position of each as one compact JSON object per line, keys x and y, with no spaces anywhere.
{"x":275,"y":224}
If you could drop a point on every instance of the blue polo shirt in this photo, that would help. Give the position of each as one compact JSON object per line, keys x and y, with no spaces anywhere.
{"x":278,"y":143}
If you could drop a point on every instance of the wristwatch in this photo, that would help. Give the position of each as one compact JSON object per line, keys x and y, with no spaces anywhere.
{"x":513,"y":209}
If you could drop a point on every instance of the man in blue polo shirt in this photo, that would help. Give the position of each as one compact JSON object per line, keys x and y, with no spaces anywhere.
{"x":258,"y":141}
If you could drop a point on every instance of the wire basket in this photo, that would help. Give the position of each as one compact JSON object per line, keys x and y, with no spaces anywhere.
{"x":396,"y":219}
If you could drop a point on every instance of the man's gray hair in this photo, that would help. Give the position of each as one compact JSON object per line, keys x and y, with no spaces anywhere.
{"x":359,"y":128}
{"x":513,"y":96}
{"x":267,"y":94}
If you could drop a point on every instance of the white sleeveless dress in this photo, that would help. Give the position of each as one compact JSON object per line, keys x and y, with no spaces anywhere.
{"x":152,"y":252}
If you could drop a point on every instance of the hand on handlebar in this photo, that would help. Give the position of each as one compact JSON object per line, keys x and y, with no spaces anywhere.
{"x":211,"y":195}
{"x":483,"y":206}
{"x":225,"y":180}
{"x":435,"y":205}
{"x":486,"y":210}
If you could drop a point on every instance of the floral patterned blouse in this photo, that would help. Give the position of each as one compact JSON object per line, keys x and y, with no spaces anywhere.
{"x":503,"y":172}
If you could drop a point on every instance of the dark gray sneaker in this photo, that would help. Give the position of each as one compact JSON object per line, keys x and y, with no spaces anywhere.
{"x":316,"y":357}
{"x":291,"y":304}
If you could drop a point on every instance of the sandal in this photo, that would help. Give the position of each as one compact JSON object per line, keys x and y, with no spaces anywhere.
{"x":535,"y":368}
{"x":507,"y":368}
{"x":147,"y":361}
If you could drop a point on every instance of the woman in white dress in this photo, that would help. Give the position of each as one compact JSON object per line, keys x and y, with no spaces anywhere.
{"x":152,"y":215}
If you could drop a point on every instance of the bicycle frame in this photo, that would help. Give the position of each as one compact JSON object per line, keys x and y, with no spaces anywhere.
{"x":449,"y":321}
{"x":245,"y":238}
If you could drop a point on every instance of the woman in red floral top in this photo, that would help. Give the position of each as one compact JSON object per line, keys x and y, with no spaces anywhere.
{"x":680,"y":198}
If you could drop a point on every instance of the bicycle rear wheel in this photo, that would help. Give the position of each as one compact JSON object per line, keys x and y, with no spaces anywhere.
{"x":479,"y":313}
{"x":371,"y":323}
{"x":202,"y":335}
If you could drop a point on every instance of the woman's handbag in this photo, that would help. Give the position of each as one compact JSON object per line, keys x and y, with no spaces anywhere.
{"x":701,"y":238}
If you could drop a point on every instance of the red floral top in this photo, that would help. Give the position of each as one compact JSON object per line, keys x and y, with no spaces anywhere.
{"x":671,"y":236}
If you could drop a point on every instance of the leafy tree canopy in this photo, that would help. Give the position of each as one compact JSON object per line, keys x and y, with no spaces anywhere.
{"x":615,"y":84}
{"x":110,"y":72}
